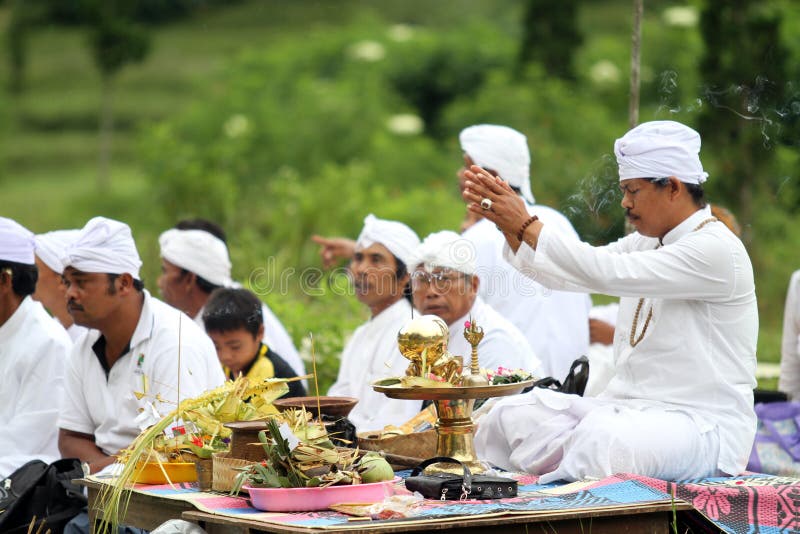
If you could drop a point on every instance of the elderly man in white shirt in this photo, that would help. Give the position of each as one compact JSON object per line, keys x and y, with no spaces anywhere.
{"x":138,"y":345}
{"x":789,"y":380}
{"x":680,"y":404}
{"x":554,"y":322}
{"x":50,"y":288}
{"x":194,"y":262}
{"x":380,"y":278}
{"x":33,"y":354}
{"x":444,"y":283}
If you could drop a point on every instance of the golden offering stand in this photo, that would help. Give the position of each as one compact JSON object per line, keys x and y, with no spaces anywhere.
{"x":424,"y":341}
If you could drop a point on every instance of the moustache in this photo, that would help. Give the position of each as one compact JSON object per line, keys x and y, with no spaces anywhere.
{"x":71,"y":306}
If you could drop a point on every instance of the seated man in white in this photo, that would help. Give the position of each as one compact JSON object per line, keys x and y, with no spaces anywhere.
{"x":195,"y":262}
{"x":380,"y":278}
{"x":33,"y":354}
{"x":680,"y":402}
{"x":133,"y":347}
{"x":50,"y":288}
{"x":444,"y":283}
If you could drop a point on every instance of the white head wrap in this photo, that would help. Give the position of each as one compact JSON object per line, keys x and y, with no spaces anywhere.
{"x":659,"y":149}
{"x":104,"y":246}
{"x":395,"y":236}
{"x":198,"y":252}
{"x":16,"y":242}
{"x":503,"y":150}
{"x":446,"y":249}
{"x":50,"y":247}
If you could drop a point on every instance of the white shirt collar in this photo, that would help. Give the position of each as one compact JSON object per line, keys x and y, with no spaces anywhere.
{"x":688,"y":225}
{"x":14,"y":323}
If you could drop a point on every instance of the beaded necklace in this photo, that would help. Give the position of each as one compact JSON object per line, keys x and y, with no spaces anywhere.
{"x":633,"y":339}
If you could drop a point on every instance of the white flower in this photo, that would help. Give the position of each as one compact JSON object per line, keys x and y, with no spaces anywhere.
{"x":237,"y":125}
{"x":681,"y":16}
{"x":401,"y":33}
{"x":405,"y":124}
{"x":369,"y":51}
{"x":604,"y":72}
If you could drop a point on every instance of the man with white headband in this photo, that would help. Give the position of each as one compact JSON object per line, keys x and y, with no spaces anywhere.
{"x":555,"y":323}
{"x":380,"y":277}
{"x":33,"y":354}
{"x":138,"y":352}
{"x":194,"y":262}
{"x":50,"y":288}
{"x":444,"y":283}
{"x":680,"y":404}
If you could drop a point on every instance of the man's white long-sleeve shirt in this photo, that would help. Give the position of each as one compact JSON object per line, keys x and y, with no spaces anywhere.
{"x":555,"y":323}
{"x":698,"y":355}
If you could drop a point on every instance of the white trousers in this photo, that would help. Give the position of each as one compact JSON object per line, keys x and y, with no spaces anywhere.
{"x":566,"y":437}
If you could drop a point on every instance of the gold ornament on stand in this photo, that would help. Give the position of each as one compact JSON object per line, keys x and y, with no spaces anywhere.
{"x":424,"y":341}
{"x":474,"y":334}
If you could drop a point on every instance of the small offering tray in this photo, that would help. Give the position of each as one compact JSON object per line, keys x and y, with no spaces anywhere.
{"x":398,"y":391}
{"x":312,"y":499}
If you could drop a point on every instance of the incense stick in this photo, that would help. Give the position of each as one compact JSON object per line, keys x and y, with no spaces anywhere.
{"x":314,"y":368}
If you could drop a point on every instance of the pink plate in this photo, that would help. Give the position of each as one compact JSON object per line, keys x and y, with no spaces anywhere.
{"x":311,"y":499}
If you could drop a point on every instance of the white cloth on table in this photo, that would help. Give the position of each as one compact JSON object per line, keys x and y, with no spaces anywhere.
{"x":503,"y":345}
{"x":33,"y":354}
{"x":789,"y":381}
{"x":697,"y":357}
{"x":105,"y":405}
{"x":371,"y":354}
{"x":555,"y":323}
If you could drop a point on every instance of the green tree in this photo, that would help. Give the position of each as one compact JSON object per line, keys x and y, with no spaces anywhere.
{"x":551,"y":36}
{"x":744,"y":75}
{"x":115,"y":39}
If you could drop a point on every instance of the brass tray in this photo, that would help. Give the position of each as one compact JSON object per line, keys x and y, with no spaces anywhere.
{"x":456,"y":392}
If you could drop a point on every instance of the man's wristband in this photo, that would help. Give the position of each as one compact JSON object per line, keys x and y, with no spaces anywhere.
{"x":525,"y":226}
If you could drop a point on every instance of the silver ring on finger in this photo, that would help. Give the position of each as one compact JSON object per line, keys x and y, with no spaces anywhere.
{"x":486,"y":204}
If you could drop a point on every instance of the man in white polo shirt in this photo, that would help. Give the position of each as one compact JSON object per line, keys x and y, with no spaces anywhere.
{"x":33,"y":354}
{"x":138,"y":345}
{"x":194,"y":262}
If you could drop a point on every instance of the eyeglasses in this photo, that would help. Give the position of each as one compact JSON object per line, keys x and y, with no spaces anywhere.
{"x":439,"y":279}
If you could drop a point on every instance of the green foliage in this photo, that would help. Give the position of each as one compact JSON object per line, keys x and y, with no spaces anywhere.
{"x":551,"y":36}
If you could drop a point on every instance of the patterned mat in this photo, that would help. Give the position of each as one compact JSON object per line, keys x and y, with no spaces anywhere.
{"x":745,"y":504}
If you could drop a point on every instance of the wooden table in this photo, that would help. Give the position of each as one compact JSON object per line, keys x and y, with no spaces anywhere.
{"x":144,"y":511}
{"x":646,"y":519}
{"x":148,"y":511}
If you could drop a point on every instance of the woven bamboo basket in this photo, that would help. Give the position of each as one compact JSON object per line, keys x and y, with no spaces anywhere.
{"x":415,"y":447}
{"x":225,"y":470}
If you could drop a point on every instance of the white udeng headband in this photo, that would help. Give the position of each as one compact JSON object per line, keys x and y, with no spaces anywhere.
{"x":659,"y":149}
{"x":198,"y":252}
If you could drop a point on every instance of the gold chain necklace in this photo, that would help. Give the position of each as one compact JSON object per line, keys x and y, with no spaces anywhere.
{"x":633,"y":339}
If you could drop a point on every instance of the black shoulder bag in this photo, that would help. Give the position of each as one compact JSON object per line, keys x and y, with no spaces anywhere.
{"x":446,"y":486}
{"x":44,"y":491}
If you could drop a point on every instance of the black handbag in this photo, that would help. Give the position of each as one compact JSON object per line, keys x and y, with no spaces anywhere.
{"x":446,"y":486}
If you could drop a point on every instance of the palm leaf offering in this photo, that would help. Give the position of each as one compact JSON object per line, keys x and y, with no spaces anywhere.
{"x":193,"y":430}
{"x":312,"y":462}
